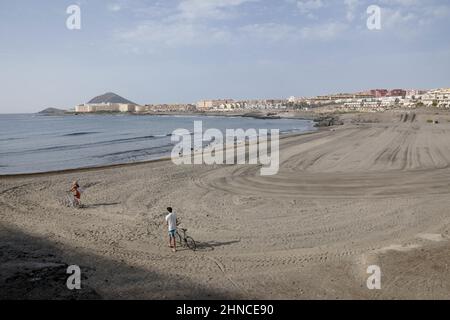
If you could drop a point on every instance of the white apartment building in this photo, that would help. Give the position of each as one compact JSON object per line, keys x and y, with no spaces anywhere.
{"x":105,"y":107}
{"x":439,"y":98}
{"x":212,"y":104}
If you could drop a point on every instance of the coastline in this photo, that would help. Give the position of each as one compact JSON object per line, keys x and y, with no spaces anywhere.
{"x":267,"y":114}
{"x":128,"y":164}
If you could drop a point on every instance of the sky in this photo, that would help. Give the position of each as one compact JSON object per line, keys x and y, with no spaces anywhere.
{"x":182,"y":51}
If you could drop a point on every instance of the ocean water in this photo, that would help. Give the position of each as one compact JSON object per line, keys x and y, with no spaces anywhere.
{"x":36,"y":143}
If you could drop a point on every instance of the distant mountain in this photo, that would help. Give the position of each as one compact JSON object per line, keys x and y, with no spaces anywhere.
{"x":110,"y":97}
{"x":52,"y":111}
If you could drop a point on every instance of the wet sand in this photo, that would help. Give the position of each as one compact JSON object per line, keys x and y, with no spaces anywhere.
{"x":374,"y":191}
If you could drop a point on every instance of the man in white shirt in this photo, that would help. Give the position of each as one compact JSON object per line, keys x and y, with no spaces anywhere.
{"x":171,"y":221}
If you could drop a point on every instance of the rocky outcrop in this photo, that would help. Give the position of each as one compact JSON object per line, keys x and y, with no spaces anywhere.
{"x":327,"y":121}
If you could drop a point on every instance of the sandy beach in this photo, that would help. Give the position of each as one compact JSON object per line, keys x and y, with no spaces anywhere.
{"x":374,"y":191}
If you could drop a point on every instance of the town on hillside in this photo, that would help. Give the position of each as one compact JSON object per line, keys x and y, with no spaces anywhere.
{"x":376,"y":100}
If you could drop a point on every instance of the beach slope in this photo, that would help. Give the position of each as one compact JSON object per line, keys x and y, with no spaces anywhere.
{"x":374,"y":191}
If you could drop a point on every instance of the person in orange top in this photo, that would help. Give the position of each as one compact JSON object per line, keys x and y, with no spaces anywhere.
{"x":75,"y":189}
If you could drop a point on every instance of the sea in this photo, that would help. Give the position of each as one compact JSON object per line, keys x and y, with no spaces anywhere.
{"x":32,"y":143}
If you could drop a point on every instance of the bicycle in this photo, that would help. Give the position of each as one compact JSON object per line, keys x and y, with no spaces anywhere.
{"x":184,"y":240}
{"x":69,"y":201}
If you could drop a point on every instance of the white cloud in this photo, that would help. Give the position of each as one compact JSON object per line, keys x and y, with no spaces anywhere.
{"x":194,"y":23}
{"x":392,"y":19}
{"x":325,"y":31}
{"x":189,"y":24}
{"x":217,"y":9}
{"x":407,"y":17}
{"x":437,"y":11}
{"x":351,"y":8}
{"x":170,"y":35}
{"x":407,"y":3}
{"x":158,"y":36}
{"x":114,"y":7}
{"x":306,"y":6}
{"x":273,"y":32}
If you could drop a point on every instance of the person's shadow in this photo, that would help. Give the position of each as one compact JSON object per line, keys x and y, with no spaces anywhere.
{"x":211,"y":245}
{"x":96,"y":205}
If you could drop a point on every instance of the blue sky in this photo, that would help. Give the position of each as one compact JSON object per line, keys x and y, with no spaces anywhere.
{"x":184,"y":50}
